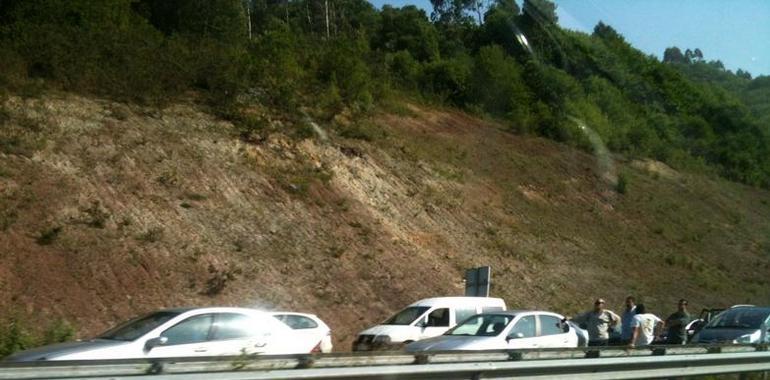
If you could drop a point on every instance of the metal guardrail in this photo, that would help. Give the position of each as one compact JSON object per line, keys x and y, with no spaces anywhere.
{"x":583,"y":363}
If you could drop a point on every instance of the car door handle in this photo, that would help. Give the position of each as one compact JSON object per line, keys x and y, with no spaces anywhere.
{"x":200,"y":349}
{"x":260,"y":344}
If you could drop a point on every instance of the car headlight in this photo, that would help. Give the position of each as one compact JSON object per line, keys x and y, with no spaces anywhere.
{"x":747,"y":339}
{"x":382,"y":339}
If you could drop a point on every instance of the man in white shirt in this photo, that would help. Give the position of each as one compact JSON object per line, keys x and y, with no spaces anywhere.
{"x":646,"y":326}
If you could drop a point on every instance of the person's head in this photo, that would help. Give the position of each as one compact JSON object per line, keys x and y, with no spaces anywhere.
{"x":682,"y":306}
{"x":640,"y":309}
{"x":599,"y":304}
{"x":630,"y":302}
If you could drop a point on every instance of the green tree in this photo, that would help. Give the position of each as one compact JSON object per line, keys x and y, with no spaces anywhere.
{"x":496,"y":84}
{"x":542,"y":11}
{"x":674,"y":55}
{"x":222,"y":20}
{"x":407,"y":29}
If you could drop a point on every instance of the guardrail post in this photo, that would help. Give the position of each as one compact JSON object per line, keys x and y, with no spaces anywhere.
{"x":762,"y":347}
{"x":421,"y":359}
{"x":155,"y":368}
{"x":305,"y":361}
{"x":593,"y":354}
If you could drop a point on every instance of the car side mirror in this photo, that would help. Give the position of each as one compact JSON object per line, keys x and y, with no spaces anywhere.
{"x":422,"y":323}
{"x":155,"y":342}
{"x":517,"y":335}
{"x":565,"y":327}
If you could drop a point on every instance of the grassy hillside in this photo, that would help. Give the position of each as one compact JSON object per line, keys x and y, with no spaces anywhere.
{"x":109,"y":209}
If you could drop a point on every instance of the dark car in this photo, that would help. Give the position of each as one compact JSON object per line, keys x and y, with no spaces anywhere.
{"x":739,"y":325}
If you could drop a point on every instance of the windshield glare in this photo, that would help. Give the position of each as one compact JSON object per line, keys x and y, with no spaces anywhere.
{"x":406,"y":316}
{"x":740,"y":319}
{"x":136,"y":328}
{"x":482,"y":325}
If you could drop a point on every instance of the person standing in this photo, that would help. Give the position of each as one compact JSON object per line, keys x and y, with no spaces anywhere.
{"x":676,"y":323}
{"x":626,"y":331}
{"x":598,"y":323}
{"x":646,"y":327}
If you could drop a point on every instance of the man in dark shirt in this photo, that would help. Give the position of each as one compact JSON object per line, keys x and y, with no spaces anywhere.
{"x":676,"y":324}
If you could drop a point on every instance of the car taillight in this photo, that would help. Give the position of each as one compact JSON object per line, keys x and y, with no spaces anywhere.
{"x":316,"y":349}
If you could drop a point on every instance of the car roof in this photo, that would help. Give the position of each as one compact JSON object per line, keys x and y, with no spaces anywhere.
{"x":177,"y":309}
{"x":436,"y":301}
{"x":312,"y":316}
{"x":765,"y":309}
{"x":520,"y":311}
{"x":212,"y":309}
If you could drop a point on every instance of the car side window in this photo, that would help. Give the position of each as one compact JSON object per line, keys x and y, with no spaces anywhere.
{"x":464,"y":313}
{"x":525,"y":326}
{"x":234,"y":326}
{"x":438,"y":318}
{"x":192,"y":330}
{"x":550,"y":325}
{"x":297,"y":322}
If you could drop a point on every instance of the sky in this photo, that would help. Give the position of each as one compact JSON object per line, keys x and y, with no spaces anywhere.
{"x":737,"y":32}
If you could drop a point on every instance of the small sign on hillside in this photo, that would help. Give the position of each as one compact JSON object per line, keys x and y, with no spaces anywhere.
{"x":477,"y":281}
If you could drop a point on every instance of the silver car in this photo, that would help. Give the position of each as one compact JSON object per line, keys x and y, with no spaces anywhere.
{"x":514,"y":329}
{"x":738,"y":325}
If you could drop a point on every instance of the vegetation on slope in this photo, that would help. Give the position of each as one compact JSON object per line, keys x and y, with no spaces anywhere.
{"x":343,"y":57}
{"x":115,"y":210}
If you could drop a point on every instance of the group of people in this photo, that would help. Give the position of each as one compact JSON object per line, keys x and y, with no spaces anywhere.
{"x":638,"y":327}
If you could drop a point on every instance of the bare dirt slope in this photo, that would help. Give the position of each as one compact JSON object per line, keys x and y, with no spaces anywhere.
{"x":108,"y":210}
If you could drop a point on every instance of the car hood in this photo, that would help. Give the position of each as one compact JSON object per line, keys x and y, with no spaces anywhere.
{"x":56,"y":350}
{"x":722,"y":335}
{"x":450,"y":343}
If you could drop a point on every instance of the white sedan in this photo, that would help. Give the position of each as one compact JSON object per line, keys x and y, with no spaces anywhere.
{"x":220,"y":331}
{"x":514,"y":329}
{"x":309,"y":326}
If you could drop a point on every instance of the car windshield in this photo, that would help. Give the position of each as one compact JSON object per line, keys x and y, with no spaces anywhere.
{"x":135,"y":328}
{"x":406,"y":316}
{"x":742,"y":318}
{"x":482,"y":325}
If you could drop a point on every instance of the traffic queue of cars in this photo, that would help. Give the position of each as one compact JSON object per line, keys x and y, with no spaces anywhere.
{"x":433,"y":324}
{"x":469,"y":323}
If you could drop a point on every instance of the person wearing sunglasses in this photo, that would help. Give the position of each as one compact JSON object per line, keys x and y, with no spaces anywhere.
{"x":598,"y":322}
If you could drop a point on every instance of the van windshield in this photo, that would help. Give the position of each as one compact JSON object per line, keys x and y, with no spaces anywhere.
{"x":406,"y":316}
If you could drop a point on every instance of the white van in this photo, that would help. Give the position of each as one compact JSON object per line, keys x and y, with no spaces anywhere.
{"x":424,"y":319}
